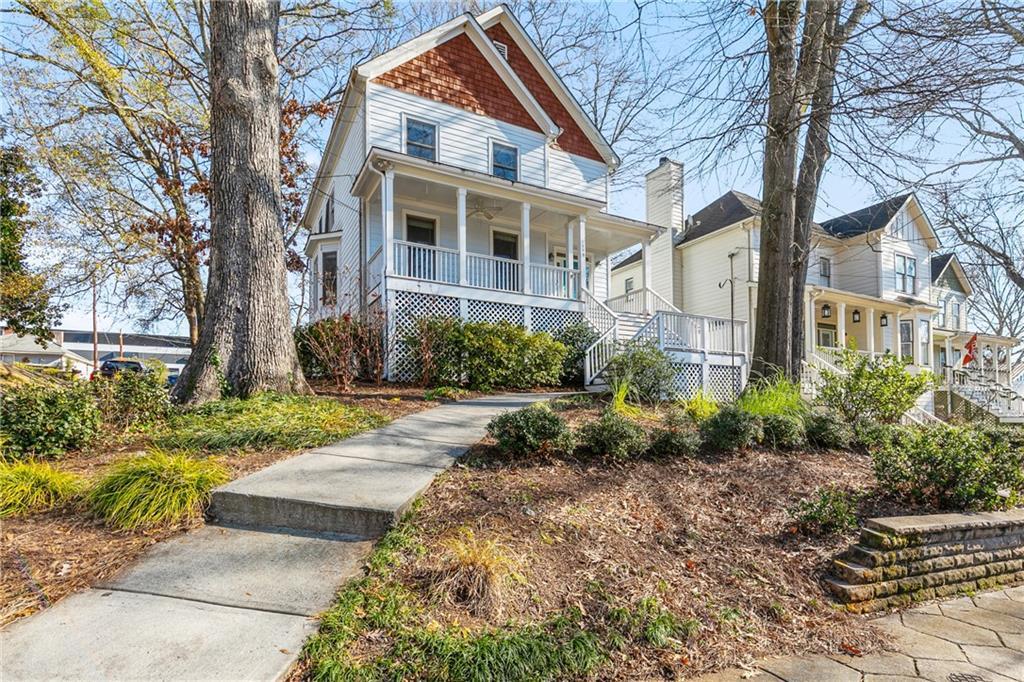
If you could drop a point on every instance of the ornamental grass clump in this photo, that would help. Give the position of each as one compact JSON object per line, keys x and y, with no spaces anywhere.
{"x":700,"y":407}
{"x":156,"y":489}
{"x":27,"y":487}
{"x":474,"y":573}
{"x":773,"y":396}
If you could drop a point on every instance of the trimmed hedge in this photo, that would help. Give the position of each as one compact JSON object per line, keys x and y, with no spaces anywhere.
{"x":47,"y":421}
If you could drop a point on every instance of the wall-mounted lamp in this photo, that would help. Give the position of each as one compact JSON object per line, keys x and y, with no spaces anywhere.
{"x":883,"y":320}
{"x":856,"y":315}
{"x":826,"y":311}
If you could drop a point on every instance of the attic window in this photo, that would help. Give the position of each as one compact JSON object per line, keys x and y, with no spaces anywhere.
{"x":502,"y":49}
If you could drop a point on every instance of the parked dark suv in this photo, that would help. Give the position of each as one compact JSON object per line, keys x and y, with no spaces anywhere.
{"x":111,"y":367}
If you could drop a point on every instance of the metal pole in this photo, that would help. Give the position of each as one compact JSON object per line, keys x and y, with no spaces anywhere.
{"x":95,"y":332}
{"x":732,"y":311}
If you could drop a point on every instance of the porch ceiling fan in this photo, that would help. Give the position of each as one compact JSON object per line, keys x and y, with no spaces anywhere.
{"x":488,"y":212}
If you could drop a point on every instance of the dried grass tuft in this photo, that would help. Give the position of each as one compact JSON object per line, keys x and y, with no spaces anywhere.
{"x":473,"y":575}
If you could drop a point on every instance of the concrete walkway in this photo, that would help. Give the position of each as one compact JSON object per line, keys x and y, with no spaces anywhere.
{"x":979,"y":639}
{"x":235,"y":601}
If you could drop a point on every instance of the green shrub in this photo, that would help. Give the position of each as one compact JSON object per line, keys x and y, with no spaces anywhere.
{"x":34,"y":486}
{"x":774,"y":396}
{"x":731,"y":429}
{"x":483,"y":355}
{"x":650,"y":622}
{"x":156,"y":489}
{"x":880,"y":389}
{"x":529,"y":430}
{"x":676,"y":438}
{"x":700,"y":407}
{"x":613,"y":435}
{"x":132,"y":399}
{"x":951,"y":467}
{"x":829,"y":510}
{"x":46,"y":421}
{"x":828,"y":430}
{"x":264,"y":421}
{"x":646,"y":369}
{"x":576,"y":338}
{"x":869,"y":434}
{"x":783,"y":431}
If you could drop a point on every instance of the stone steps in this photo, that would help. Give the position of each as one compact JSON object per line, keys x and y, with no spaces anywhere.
{"x":902,"y":560}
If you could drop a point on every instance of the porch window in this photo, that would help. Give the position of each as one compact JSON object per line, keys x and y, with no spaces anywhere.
{"x":906,"y":274}
{"x":504,"y":161}
{"x":825,"y":271}
{"x":421,"y":139}
{"x":329,"y":278}
{"x":630,"y":284}
{"x":907,"y":340}
{"x":420,"y":230}
{"x":505,"y":246}
{"x":827,"y":336}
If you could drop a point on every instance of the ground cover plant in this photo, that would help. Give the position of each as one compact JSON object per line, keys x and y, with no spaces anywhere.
{"x":614,"y":568}
{"x":27,"y":487}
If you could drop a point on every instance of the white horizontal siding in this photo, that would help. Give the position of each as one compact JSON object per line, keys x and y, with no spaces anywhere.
{"x":705,"y":264}
{"x":855,"y":267}
{"x":619,"y":277}
{"x":346,"y":209}
{"x":576,"y":175}
{"x":463,"y":137}
{"x":915,"y":247}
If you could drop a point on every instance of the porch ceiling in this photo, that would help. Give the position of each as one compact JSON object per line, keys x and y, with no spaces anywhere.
{"x":840,"y":296}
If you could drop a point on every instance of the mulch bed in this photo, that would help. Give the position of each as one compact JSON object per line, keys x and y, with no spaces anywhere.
{"x":711,"y":537}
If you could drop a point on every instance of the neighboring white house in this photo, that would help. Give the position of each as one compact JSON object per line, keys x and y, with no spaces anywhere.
{"x":461,"y":178}
{"x":875,"y":283}
{"x":30,"y":351}
{"x":173,"y":351}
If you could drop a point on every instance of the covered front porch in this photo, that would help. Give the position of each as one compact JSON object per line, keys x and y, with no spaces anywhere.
{"x":870,"y":325}
{"x":441,"y":230}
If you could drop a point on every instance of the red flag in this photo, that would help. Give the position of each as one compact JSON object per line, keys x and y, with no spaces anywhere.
{"x":971,"y":347}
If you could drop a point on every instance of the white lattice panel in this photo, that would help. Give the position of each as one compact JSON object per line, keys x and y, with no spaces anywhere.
{"x":410,"y":306}
{"x":551,"y":320}
{"x":687,"y":380}
{"x":723,"y":382}
{"x":488,"y":311}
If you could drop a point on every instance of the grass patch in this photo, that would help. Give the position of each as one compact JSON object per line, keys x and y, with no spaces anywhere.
{"x":777,"y":396}
{"x":265,"y":421}
{"x":33,"y":486}
{"x":156,"y":489}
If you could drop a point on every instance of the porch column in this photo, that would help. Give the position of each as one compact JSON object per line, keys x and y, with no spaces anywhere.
{"x":569,"y":256}
{"x":645,"y":256}
{"x":870,"y":319}
{"x":896,"y":339}
{"x":930,"y":359}
{"x":1009,"y":365}
{"x":460,"y":213}
{"x":583,"y":252}
{"x":809,"y":340}
{"x":387,"y":205}
{"x":607,"y":275}
{"x":524,"y":226}
{"x":947,"y":374}
{"x":841,"y":311}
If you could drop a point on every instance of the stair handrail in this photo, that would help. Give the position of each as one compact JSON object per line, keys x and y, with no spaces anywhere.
{"x":591,"y":305}
{"x":658,"y":298}
{"x":597,"y":356}
{"x":650,"y":302}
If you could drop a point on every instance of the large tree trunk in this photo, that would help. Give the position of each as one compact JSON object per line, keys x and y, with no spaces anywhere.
{"x":773,"y":335}
{"x":246,"y":339}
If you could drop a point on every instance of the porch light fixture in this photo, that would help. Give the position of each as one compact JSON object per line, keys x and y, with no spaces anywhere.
{"x":856,"y":315}
{"x":883,"y":320}
{"x":826,"y":311}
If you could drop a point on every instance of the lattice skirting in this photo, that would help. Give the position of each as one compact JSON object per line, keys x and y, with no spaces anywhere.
{"x":408,"y":306}
{"x":724,"y":382}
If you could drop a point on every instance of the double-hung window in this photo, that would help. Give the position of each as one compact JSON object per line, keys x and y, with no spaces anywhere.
{"x":825,"y":271}
{"x":504,"y":161}
{"x":630,"y":284}
{"x":421,"y":139}
{"x":906,"y":274}
{"x":954,"y":322}
{"x":329,"y":277}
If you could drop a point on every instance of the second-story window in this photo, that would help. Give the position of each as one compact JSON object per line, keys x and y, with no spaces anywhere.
{"x":504,"y":161}
{"x":954,"y":315}
{"x":825,"y":271}
{"x":906,"y":274}
{"x":421,"y":139}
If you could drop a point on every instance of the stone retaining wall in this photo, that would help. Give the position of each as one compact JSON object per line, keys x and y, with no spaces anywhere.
{"x":905,"y":559}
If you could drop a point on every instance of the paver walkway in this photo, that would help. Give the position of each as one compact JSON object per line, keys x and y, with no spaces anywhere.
{"x":979,"y":639}
{"x":236,"y":602}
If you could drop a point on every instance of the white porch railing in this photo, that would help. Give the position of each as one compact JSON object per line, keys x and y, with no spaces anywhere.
{"x":600,"y":353}
{"x":641,"y":301}
{"x":682,"y":331}
{"x":550,"y":280}
{"x":490,"y":272}
{"x":422,"y":261}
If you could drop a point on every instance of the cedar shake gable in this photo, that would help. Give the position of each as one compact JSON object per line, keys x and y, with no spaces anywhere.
{"x":572,"y":139}
{"x":456,"y":73}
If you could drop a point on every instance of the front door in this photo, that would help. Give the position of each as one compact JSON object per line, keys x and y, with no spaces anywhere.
{"x":826,"y":335}
{"x":505,"y":246}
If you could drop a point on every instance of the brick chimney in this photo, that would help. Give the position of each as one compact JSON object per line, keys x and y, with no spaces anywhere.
{"x":664,"y":188}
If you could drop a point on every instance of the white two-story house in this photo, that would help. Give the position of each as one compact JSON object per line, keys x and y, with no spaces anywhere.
{"x":874,"y":283}
{"x":461,"y":178}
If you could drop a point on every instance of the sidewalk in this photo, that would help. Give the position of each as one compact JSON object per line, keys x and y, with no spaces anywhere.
{"x":979,"y":639}
{"x":236,"y":601}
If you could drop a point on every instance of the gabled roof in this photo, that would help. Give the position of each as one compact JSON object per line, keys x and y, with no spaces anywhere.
{"x":730,"y":208}
{"x":16,"y":345}
{"x":464,"y":23}
{"x":944,"y":261}
{"x":864,"y":220}
{"x":629,"y":260}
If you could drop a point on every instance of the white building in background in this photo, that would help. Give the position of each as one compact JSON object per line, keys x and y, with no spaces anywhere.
{"x":173,"y":351}
{"x":30,"y":351}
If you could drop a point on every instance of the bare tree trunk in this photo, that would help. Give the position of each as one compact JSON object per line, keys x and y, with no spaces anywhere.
{"x":246,"y":338}
{"x":773,"y":337}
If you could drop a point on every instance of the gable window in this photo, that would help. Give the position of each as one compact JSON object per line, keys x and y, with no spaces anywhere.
{"x":329,"y":277}
{"x":954,"y":315}
{"x":630,"y":284}
{"x":421,"y":139}
{"x":825,"y":271}
{"x":906,"y":274}
{"x":504,"y":161}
